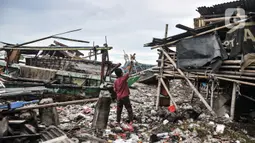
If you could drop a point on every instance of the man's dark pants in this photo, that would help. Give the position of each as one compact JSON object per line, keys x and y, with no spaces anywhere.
{"x":125,"y":101}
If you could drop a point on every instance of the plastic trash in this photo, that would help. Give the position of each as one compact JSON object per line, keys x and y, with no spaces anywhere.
{"x":171,"y":108}
{"x":220,"y":128}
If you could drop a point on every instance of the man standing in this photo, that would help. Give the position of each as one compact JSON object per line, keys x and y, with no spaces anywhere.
{"x":122,"y":90}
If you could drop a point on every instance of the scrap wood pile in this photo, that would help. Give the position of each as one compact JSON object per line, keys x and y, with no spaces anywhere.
{"x":216,"y":54}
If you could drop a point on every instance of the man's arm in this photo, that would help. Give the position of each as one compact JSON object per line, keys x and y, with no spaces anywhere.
{"x":126,"y":76}
{"x":130,"y":68}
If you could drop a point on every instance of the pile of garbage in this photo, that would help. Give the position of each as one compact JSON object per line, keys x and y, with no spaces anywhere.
{"x":190,"y":123}
{"x":46,"y":120}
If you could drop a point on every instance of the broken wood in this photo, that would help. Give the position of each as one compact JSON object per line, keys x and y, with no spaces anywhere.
{"x":44,"y":38}
{"x":68,"y":39}
{"x":189,"y":82}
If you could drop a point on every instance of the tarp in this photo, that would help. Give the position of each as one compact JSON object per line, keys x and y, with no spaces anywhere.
{"x":197,"y":52}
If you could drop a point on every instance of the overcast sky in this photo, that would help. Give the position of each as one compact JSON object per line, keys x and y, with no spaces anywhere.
{"x":128,"y":24}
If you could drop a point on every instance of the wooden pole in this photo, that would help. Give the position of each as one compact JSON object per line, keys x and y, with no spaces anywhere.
{"x":227,"y":76}
{"x":60,"y":48}
{"x":159,"y":83}
{"x":223,"y":18}
{"x":193,"y":93}
{"x":189,"y":82}
{"x":207,"y":90}
{"x":161,"y":73}
{"x":55,"y":104}
{"x":236,"y":81}
{"x":212,"y":92}
{"x":168,"y":92}
{"x":233,"y":102}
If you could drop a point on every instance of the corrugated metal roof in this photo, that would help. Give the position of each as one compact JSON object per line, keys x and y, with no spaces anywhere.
{"x":247,"y":5}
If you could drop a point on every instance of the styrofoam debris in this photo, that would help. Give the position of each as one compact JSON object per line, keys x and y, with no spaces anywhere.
{"x":211,"y":123}
{"x":220,"y":128}
{"x":165,"y":122}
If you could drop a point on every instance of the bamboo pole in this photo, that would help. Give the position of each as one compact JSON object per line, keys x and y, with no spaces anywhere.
{"x":212,"y":94}
{"x":44,"y":38}
{"x":161,"y":73}
{"x":191,"y":77}
{"x":223,"y":18}
{"x":159,"y":82}
{"x":236,"y":81}
{"x":233,"y":102}
{"x":197,"y":86}
{"x":207,"y":91}
{"x":190,"y":84}
{"x":168,"y":92}
{"x":228,"y":76}
{"x":55,"y":104}
{"x":248,"y":98}
{"x":62,"y":48}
